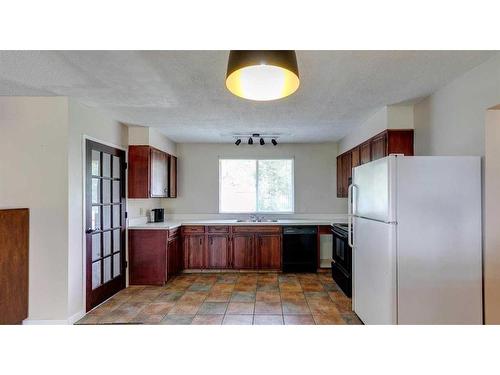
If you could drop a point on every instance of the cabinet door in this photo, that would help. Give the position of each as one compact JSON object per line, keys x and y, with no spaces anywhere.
{"x":217,"y":251}
{"x":243,"y":251}
{"x":159,"y":174}
{"x":339,"y":176}
{"x":139,"y":171}
{"x":172,"y":181}
{"x":194,"y":247}
{"x":268,"y":251}
{"x":147,"y":257}
{"x":379,"y":147}
{"x":364,"y":153}
{"x":172,"y":257}
{"x":355,"y":161}
{"x":346,"y":172}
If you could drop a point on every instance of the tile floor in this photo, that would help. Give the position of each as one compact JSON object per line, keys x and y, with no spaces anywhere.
{"x":230,"y":298}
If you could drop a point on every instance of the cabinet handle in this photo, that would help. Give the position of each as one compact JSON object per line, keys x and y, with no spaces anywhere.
{"x":200,"y":240}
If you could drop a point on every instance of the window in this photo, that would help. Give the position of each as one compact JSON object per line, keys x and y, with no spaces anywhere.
{"x":260,"y":186}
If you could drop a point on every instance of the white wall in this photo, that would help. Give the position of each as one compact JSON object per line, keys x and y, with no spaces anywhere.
{"x":83,"y":121}
{"x":388,"y":117}
{"x":492,"y":216}
{"x":34,"y":174}
{"x":451,"y":121}
{"x":198,"y":184}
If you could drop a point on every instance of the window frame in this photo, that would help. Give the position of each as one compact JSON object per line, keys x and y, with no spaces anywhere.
{"x":256,"y":160}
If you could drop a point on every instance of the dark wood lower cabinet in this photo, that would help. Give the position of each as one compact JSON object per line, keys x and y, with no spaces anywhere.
{"x":243,"y":251}
{"x":194,"y":251}
{"x":268,"y":251}
{"x":217,"y":251}
{"x":155,"y":256}
{"x":147,"y":256}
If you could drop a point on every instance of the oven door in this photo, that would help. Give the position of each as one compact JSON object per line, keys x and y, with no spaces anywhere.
{"x":341,"y":253}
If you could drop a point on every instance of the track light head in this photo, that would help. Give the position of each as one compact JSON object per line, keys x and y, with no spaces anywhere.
{"x":250,"y":141}
{"x":273,"y":141}
{"x":238,"y":141}
{"x":262,"y":143}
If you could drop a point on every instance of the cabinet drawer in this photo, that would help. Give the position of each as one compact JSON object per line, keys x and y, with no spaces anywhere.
{"x":218,"y":229}
{"x":193,"y":229}
{"x":257,"y":229}
{"x":173,"y":233}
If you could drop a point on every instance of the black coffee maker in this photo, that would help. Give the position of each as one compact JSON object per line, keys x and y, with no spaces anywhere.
{"x":158,"y":215}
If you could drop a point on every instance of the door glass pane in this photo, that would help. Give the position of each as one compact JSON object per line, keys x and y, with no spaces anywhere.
{"x":116,"y":265}
{"x":96,"y":218}
{"x":106,"y":191}
{"x":116,"y":215}
{"x":116,"y":167}
{"x":96,"y":274}
{"x":106,"y":165}
{"x":96,"y":246}
{"x":96,"y":162}
{"x":106,"y":216}
{"x":116,"y":191}
{"x":96,"y":191}
{"x":116,"y":240}
{"x":106,"y":243}
{"x":107,"y":269}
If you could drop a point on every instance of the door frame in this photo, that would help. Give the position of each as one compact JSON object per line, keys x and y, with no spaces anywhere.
{"x":83,"y":228}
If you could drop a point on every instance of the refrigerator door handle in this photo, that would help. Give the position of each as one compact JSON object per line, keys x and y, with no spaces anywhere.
{"x":350,"y":214}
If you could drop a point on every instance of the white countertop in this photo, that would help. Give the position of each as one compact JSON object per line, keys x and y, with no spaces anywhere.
{"x":176,"y":224}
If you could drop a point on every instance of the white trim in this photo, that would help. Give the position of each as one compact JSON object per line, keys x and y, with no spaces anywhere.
{"x":45,"y":322}
{"x":71,"y":320}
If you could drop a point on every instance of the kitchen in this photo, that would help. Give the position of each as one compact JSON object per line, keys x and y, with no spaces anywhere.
{"x":247,"y":191}
{"x":238,"y":223}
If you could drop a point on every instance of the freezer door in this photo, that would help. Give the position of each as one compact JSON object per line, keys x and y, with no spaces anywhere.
{"x":374,"y":269}
{"x":374,"y":189}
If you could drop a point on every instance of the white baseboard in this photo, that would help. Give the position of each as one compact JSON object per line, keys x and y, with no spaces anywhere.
{"x":71,"y":320}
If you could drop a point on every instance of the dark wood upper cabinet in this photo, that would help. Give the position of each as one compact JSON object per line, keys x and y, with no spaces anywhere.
{"x":385,"y":143}
{"x":139,"y":171}
{"x":268,"y":251}
{"x":364,"y":153}
{"x":151,"y":173}
{"x":243,"y":251}
{"x":379,"y":147}
{"x":355,"y":160}
{"x":14,"y":249}
{"x":172,"y":181}
{"x":400,"y":142}
{"x":159,"y":173}
{"x":218,"y":251}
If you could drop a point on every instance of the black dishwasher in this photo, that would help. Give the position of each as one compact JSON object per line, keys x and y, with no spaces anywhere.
{"x":300,"y":249}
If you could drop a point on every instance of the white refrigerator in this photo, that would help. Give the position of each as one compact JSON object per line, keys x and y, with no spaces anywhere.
{"x":416,"y":240}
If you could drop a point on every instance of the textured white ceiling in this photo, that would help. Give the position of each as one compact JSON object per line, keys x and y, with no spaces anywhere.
{"x":183,"y":92}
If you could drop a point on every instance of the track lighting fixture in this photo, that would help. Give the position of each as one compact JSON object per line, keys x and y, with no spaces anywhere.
{"x":260,"y":138}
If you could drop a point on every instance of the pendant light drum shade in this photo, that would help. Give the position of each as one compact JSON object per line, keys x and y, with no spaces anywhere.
{"x":262,"y":75}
